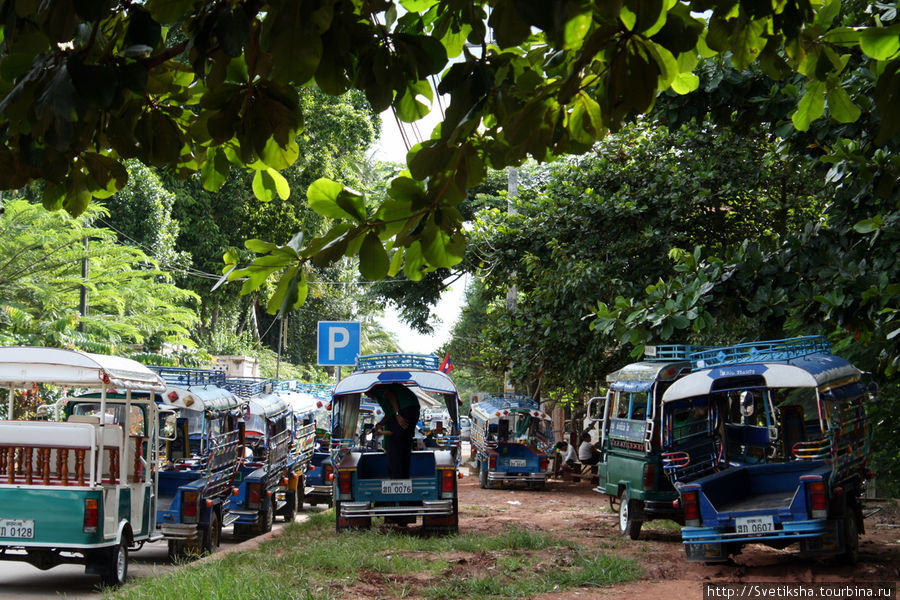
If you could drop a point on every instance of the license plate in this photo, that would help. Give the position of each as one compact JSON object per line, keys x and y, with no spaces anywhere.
{"x":751,"y":525}
{"x":396,"y":486}
{"x":17,"y":528}
{"x":517,"y":462}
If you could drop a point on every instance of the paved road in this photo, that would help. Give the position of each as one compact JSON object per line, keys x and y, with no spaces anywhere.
{"x":21,"y":581}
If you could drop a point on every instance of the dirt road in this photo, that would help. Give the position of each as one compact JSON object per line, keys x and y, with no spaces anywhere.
{"x":580,"y":514}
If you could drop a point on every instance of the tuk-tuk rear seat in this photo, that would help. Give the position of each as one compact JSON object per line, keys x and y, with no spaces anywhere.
{"x":42,"y":453}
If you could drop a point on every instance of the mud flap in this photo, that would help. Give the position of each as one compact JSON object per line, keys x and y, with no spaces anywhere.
{"x":827,"y":544}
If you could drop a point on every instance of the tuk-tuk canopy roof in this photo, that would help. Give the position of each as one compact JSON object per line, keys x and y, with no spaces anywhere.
{"x":23,"y":366}
{"x":812,"y":371}
{"x":429,"y":381}
{"x":301,"y":402}
{"x":503,"y":404}
{"x":201,"y":398}
{"x":268,"y":405}
{"x":640,"y":376}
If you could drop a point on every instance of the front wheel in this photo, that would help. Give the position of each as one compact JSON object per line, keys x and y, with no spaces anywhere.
{"x":116,"y":566}
{"x":628,"y":525}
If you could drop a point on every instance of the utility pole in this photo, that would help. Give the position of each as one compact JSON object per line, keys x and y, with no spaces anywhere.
{"x":512,"y":188}
{"x":83,"y":307}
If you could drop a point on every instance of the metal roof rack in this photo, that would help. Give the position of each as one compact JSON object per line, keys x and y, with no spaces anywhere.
{"x":670,"y":352}
{"x":317,"y":390}
{"x":396,"y":360}
{"x":246,"y":387}
{"x":184,"y":377}
{"x":509,"y":400}
{"x":762,"y":351}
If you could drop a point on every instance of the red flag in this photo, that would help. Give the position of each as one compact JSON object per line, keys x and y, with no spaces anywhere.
{"x":446,"y":365}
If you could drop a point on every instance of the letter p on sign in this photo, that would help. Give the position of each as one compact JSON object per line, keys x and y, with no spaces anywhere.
{"x":338,"y":342}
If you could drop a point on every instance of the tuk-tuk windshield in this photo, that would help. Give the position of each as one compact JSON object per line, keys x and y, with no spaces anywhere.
{"x":115,"y":415}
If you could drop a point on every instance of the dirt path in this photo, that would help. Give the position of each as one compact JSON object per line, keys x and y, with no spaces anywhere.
{"x":575,"y":511}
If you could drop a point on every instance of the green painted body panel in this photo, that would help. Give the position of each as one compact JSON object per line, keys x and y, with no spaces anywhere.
{"x":58,"y":515}
{"x":627,"y":468}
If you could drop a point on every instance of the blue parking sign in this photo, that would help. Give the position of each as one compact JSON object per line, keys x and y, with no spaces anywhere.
{"x":338,"y":342}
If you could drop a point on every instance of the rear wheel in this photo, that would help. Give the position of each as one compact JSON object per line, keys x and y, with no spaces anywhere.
{"x":482,"y":476}
{"x":116,"y":566}
{"x":289,"y":510}
{"x":267,"y":516}
{"x":211,"y":535}
{"x":628,"y":525}
{"x":851,"y":539}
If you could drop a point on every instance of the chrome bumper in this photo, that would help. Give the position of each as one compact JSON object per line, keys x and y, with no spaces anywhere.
{"x":352,"y":510}
{"x":529,"y":477}
{"x":180,"y":531}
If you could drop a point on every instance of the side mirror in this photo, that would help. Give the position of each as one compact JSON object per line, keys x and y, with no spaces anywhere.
{"x":746,"y":404}
{"x":167,"y":425}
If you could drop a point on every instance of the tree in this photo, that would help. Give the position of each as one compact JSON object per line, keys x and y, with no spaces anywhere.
{"x":592,"y":228}
{"x":130,"y":300}
{"x":201,"y":86}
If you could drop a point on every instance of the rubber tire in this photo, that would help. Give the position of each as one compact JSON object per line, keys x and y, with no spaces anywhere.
{"x":850,"y":556}
{"x":301,"y":493}
{"x":210,"y":535}
{"x":267,"y":518}
{"x":289,"y":510}
{"x":115,"y":566}
{"x":627,"y":525}
{"x":482,"y":476}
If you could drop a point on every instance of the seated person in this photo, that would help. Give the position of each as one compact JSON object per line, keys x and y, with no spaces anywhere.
{"x":568,"y":454}
{"x":587,"y":453}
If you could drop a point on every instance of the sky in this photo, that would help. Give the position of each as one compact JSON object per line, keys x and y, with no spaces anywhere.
{"x":390,"y":147}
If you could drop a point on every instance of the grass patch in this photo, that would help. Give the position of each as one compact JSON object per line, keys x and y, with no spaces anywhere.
{"x":309,"y":561}
{"x":595,"y":571}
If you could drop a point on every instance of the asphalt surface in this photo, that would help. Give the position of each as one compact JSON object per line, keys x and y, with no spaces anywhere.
{"x":19,"y":580}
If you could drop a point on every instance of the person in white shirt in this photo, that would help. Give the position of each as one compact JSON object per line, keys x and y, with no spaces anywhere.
{"x":587,"y":454}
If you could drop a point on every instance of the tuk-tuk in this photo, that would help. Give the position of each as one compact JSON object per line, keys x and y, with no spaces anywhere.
{"x":363,"y":487}
{"x":511,"y":440}
{"x":767,"y":444}
{"x":307,"y":411}
{"x":630,"y":469}
{"x":319,"y":475}
{"x":81,"y":491}
{"x":200,"y":462}
{"x":267,"y":481}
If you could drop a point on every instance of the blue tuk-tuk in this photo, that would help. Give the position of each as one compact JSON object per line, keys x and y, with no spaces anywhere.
{"x":201,"y":460}
{"x":363,"y":487}
{"x":267,"y":480}
{"x":511,"y":439}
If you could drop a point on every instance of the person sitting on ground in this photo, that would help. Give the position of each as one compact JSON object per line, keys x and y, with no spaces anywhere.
{"x":587,"y":453}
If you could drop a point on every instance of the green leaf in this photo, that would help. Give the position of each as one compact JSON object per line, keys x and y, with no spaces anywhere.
{"x":869,"y":225}
{"x":841,"y":106}
{"x":278,"y":157}
{"x":373,"y":260}
{"x":409,"y":108}
{"x":269,"y":183}
{"x":414,"y":264}
{"x":169,"y":11}
{"x":810,"y":107}
{"x":281,"y":296}
{"x":880,"y":43}
{"x":214,"y":172}
{"x":322,"y":195}
{"x":576,"y":30}
{"x":259,"y":246}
